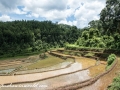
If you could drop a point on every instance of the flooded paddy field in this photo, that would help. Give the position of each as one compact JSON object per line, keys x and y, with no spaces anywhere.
{"x":90,"y":69}
{"x":57,"y":81}
{"x":106,"y":80}
{"x":61,"y":65}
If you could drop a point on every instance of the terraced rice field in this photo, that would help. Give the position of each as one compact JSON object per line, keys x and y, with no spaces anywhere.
{"x":106,"y":80}
{"x":86,"y":62}
{"x":61,"y":65}
{"x":72,"y":72}
{"x":49,"y":61}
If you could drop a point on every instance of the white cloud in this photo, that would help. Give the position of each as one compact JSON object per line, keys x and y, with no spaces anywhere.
{"x":85,"y":11}
{"x":49,"y":9}
{"x":68,"y":22}
{"x":9,"y":6}
{"x":5,"y":18}
{"x":18,"y":11}
{"x":58,"y":10}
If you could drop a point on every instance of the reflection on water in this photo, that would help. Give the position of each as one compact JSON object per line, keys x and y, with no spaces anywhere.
{"x":39,"y":76}
{"x":61,"y":80}
{"x":56,"y":82}
{"x":6,"y":71}
{"x":57,"y":66}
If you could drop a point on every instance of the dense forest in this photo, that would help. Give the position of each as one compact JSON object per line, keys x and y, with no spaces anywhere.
{"x":20,"y":37}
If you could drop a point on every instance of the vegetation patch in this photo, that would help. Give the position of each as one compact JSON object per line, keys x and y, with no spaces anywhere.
{"x":81,"y":48}
{"x":115,"y":84}
{"x":110,"y":60}
{"x":90,"y":54}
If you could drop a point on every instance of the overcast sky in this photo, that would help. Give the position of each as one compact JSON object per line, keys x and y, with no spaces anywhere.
{"x":72,"y":12}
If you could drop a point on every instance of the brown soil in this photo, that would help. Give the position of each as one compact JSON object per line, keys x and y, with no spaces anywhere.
{"x":86,"y":62}
{"x":96,"y":70}
{"x":106,"y":80}
{"x":13,"y":63}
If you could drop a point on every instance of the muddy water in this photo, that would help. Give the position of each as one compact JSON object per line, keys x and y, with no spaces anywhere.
{"x":57,"y":66}
{"x":37,"y":76}
{"x":6,"y":71}
{"x":96,"y":70}
{"x":86,"y":62}
{"x":103,"y":82}
{"x":56,"y":82}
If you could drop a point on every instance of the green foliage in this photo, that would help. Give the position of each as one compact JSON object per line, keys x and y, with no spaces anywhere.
{"x":76,"y":47}
{"x":103,"y":33}
{"x":91,"y":38}
{"x":115,"y":84}
{"x":110,"y":16}
{"x":90,"y":54}
{"x":66,"y":52}
{"x":95,"y":42}
{"x":111,"y":59}
{"x":108,"y":40}
{"x":17,"y":37}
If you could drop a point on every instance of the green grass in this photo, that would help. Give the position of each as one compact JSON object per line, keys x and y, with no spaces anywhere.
{"x":49,"y":61}
{"x":12,"y":58}
{"x":22,"y":55}
{"x":90,"y":54}
{"x":82,"y":48}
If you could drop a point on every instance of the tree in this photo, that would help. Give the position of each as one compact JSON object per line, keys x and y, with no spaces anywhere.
{"x":110,"y":16}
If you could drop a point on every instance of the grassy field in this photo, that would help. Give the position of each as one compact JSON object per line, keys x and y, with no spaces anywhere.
{"x":49,"y":61}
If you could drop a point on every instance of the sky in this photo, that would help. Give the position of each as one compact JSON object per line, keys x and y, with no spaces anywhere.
{"x":71,"y":12}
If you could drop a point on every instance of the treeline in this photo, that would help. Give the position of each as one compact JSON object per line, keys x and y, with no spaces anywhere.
{"x":94,"y":37}
{"x":103,"y":33}
{"x":18,"y":37}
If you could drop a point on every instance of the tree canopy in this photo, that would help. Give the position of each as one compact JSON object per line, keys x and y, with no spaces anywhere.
{"x":22,"y":36}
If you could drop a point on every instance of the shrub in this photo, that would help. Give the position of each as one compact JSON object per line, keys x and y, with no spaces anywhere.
{"x":115,"y":84}
{"x":111,"y":59}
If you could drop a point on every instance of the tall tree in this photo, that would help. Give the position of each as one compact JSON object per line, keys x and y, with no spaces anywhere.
{"x":110,"y":16}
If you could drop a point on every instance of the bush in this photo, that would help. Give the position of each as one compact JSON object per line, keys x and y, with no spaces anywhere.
{"x":111,"y":59}
{"x":115,"y":84}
